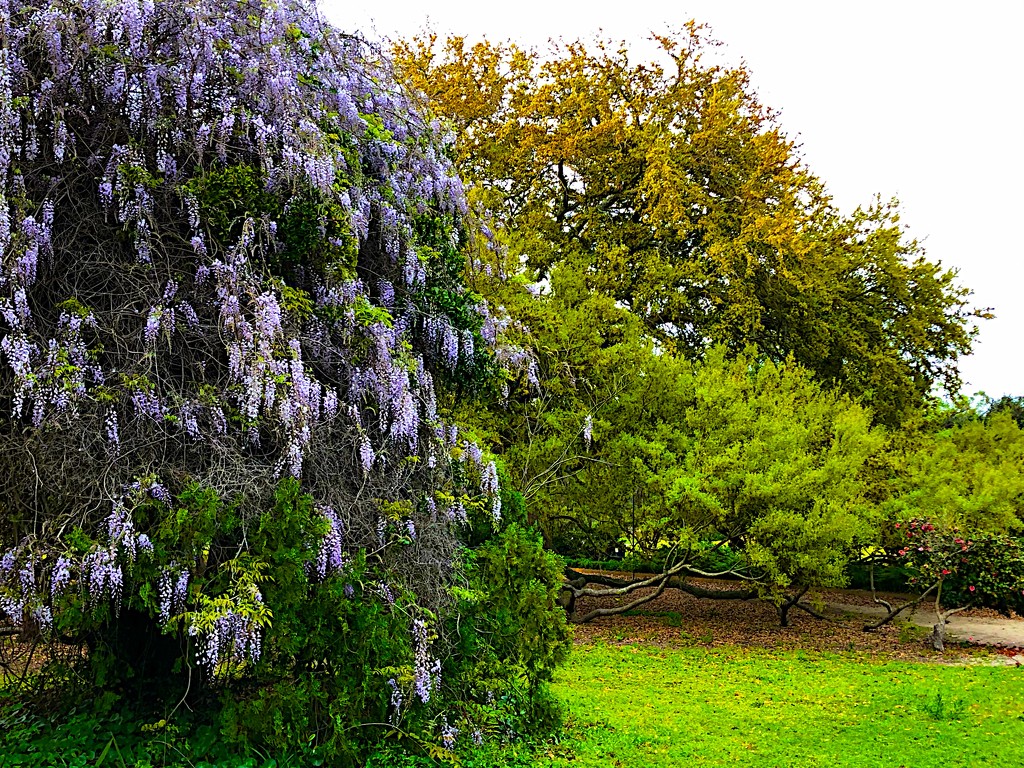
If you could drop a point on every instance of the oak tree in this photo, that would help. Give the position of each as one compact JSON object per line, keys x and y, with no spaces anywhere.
{"x":675,"y":192}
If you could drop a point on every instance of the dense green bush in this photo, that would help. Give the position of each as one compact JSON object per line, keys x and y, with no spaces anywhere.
{"x":329,"y":652}
{"x":512,"y":633}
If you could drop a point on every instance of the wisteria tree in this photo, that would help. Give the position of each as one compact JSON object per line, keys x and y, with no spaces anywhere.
{"x":231,"y":299}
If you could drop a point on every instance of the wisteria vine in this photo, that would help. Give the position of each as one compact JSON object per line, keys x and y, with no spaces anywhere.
{"x":231,"y":254}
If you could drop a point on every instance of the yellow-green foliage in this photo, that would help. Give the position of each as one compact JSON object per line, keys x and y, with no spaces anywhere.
{"x":672,"y":189}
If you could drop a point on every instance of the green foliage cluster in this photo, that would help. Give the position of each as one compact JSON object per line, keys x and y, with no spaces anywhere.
{"x":732,"y":459}
{"x":969,"y":475}
{"x":1014,"y":406}
{"x":328,"y":649}
{"x":510,"y":636}
{"x":313,"y":229}
{"x":943,"y":708}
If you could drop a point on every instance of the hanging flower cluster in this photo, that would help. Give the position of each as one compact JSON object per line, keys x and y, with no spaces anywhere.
{"x":427,"y":669}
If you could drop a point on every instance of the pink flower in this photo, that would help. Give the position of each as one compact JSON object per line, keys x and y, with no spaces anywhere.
{"x":971,"y":588}
{"x":945,"y":571}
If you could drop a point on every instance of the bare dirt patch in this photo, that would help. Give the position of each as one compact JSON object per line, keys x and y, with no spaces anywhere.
{"x":676,"y":619}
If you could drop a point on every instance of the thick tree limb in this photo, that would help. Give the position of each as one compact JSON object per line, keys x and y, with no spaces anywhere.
{"x":893,"y":613}
{"x":578,"y":580}
{"x":614,"y":611}
{"x":609,"y":591}
{"x":874,"y":595}
{"x":789,"y":602}
{"x":576,"y":585}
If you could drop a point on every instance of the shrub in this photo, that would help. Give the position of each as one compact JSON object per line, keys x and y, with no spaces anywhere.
{"x":512,"y":632}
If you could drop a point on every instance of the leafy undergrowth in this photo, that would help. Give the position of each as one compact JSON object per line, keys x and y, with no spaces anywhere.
{"x":640,"y":706}
{"x":86,"y":737}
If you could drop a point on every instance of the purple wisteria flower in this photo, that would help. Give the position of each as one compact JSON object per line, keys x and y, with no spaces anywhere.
{"x":449,"y":733}
{"x":366,"y":453}
{"x":173,"y":591}
{"x":426,"y":668}
{"x":330,"y":556}
{"x":496,"y":509}
{"x":233,"y":639}
{"x":103,"y":577}
{"x":60,"y":578}
{"x":489,"y":479}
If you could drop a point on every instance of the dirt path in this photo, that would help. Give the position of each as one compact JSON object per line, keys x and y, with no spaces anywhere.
{"x":982,"y":630}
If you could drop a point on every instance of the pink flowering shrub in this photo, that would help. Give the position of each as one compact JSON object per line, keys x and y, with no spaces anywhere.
{"x":982,"y":570}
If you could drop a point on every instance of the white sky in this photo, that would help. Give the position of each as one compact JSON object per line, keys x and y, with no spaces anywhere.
{"x":901,"y":98}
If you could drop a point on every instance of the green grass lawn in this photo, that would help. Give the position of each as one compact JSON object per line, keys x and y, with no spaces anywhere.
{"x":641,"y":707}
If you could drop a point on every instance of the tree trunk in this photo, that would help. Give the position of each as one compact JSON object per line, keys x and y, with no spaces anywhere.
{"x":937,"y":639}
{"x":786,"y":604}
{"x":567,"y":599}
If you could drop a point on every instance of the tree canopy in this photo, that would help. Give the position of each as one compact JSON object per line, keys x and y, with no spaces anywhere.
{"x":674,"y":191}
